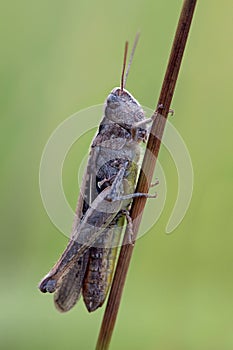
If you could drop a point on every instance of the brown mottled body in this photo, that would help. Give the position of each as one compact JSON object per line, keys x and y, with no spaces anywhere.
{"x":87,"y":264}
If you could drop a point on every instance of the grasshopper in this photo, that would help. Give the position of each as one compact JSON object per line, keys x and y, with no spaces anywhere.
{"x":87,"y":264}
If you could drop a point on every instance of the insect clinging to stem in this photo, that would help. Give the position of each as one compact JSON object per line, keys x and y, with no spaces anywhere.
{"x":87,"y":264}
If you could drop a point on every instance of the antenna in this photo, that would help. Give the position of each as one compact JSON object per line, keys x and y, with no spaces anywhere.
{"x":124,"y":75}
{"x":123,"y":69}
{"x":131,"y":56}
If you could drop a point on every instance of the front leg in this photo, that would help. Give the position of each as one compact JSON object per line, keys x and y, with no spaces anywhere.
{"x":115,"y":192}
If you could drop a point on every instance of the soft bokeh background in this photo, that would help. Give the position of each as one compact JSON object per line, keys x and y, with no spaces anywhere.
{"x":58,"y":57}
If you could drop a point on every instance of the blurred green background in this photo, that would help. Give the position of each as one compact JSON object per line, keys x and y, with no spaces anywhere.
{"x":58,"y":57}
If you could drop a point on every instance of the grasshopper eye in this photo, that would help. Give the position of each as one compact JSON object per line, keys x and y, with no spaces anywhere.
{"x":112,"y":101}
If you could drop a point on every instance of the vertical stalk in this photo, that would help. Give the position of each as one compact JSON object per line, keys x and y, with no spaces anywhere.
{"x":148,"y":166}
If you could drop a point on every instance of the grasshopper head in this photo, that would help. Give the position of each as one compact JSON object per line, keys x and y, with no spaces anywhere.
{"x":123,"y":108}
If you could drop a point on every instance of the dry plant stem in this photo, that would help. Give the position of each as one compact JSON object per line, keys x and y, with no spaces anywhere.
{"x":147,"y":170}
